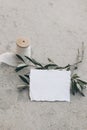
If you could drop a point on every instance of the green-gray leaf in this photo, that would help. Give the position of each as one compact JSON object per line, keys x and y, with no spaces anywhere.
{"x":50,"y":65}
{"x":50,"y":60}
{"x":75,"y":76}
{"x":22,"y":87}
{"x":20,"y":57}
{"x":85,"y":83}
{"x":27,"y":76}
{"x":72,"y":88}
{"x":20,"y":67}
{"x":33,"y":61}
{"x":24,"y":79}
{"x":83,"y":86}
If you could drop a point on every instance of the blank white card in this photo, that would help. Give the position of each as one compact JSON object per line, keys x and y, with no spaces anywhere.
{"x":50,"y":85}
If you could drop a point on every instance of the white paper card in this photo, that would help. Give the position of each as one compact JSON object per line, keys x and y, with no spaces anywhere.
{"x":50,"y":85}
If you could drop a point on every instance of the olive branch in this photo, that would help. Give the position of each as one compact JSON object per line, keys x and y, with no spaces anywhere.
{"x":77,"y":85}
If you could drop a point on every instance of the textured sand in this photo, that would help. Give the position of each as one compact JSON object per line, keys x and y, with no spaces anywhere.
{"x":56,"y":29}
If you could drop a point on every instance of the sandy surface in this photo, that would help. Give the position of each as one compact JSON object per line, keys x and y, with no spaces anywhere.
{"x":56,"y":29}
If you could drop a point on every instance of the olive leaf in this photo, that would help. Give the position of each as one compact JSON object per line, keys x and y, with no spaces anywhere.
{"x":20,"y":57}
{"x":20,"y":67}
{"x":72,"y":88}
{"x":24,"y":79}
{"x":37,"y":63}
{"x":83,"y":82}
{"x":33,"y":61}
{"x":80,"y":89}
{"x":40,"y":68}
{"x":75,"y":76}
{"x":77,"y":85}
{"x":67,"y":66}
{"x":50,"y":65}
{"x":27,"y":76}
{"x":50,"y":60}
{"x":22,"y":87}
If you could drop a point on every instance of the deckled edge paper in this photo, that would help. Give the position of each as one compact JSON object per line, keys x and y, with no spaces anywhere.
{"x":50,"y":85}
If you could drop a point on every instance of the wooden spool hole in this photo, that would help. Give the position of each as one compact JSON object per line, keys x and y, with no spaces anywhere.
{"x":22,"y":42}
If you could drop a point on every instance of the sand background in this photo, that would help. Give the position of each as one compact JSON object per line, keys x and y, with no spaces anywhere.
{"x":56,"y":29}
